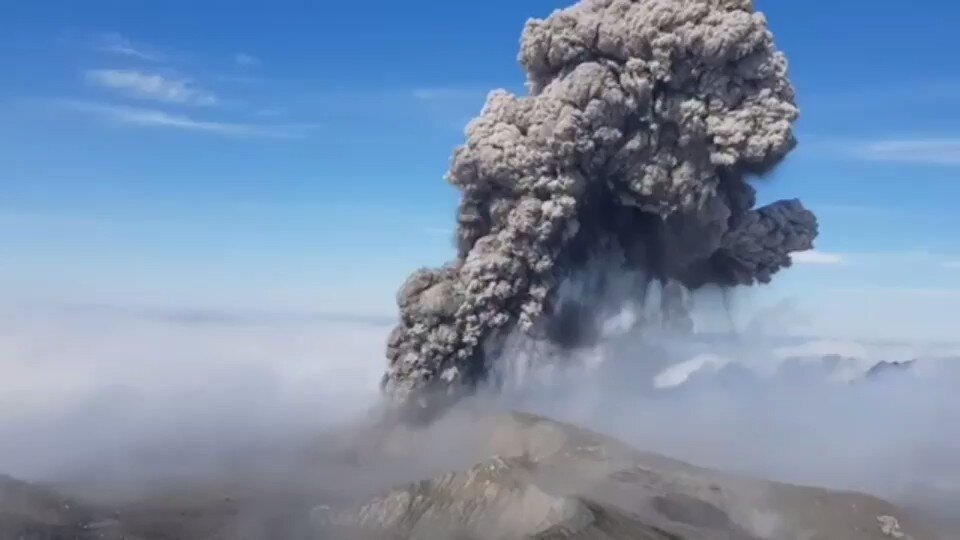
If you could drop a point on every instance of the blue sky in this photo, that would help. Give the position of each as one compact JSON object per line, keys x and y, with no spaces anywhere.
{"x":290,"y":156}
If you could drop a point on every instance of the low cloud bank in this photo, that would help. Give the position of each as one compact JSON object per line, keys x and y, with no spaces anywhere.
{"x":119,"y":395}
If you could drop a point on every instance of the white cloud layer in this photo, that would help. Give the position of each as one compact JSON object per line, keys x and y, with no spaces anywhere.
{"x":243,"y":59}
{"x":112,"y":384}
{"x":931,"y":151}
{"x":115,"y":381}
{"x":818,"y":258}
{"x":117,"y":44}
{"x":151,"y":86}
{"x":154,"y":118}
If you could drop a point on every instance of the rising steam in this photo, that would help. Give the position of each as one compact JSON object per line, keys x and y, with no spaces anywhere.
{"x":644,"y":121}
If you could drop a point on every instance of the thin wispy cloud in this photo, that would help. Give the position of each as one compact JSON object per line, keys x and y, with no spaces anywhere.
{"x":814,"y":257}
{"x":151,"y":86}
{"x":243,"y":59}
{"x":881,"y":291}
{"x":117,"y":44}
{"x":154,"y":118}
{"x":931,"y":151}
{"x":912,"y":260}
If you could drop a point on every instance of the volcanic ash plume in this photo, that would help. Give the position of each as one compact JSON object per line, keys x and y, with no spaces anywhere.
{"x":644,"y":120}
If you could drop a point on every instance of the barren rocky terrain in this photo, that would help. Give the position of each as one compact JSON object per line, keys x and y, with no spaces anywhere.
{"x":471,"y":475}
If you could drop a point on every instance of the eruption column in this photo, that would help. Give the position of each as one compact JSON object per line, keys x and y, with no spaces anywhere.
{"x":643,"y":123}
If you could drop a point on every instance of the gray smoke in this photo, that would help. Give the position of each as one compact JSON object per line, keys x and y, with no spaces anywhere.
{"x":645,"y":120}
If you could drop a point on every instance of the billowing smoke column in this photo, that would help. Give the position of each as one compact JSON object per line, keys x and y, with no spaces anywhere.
{"x":644,"y":120}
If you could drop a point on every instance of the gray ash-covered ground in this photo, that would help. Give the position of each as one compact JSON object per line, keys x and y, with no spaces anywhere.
{"x":644,"y":122}
{"x":474,"y":474}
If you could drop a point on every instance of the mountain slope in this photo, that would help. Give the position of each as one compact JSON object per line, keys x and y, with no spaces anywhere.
{"x":558,"y":477}
{"x":490,"y":476}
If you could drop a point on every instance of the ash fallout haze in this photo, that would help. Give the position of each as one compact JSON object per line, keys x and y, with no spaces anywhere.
{"x":540,"y":269}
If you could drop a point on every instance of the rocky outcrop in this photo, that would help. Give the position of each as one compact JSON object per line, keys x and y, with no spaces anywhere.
{"x":490,"y":476}
{"x":549,"y":477}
